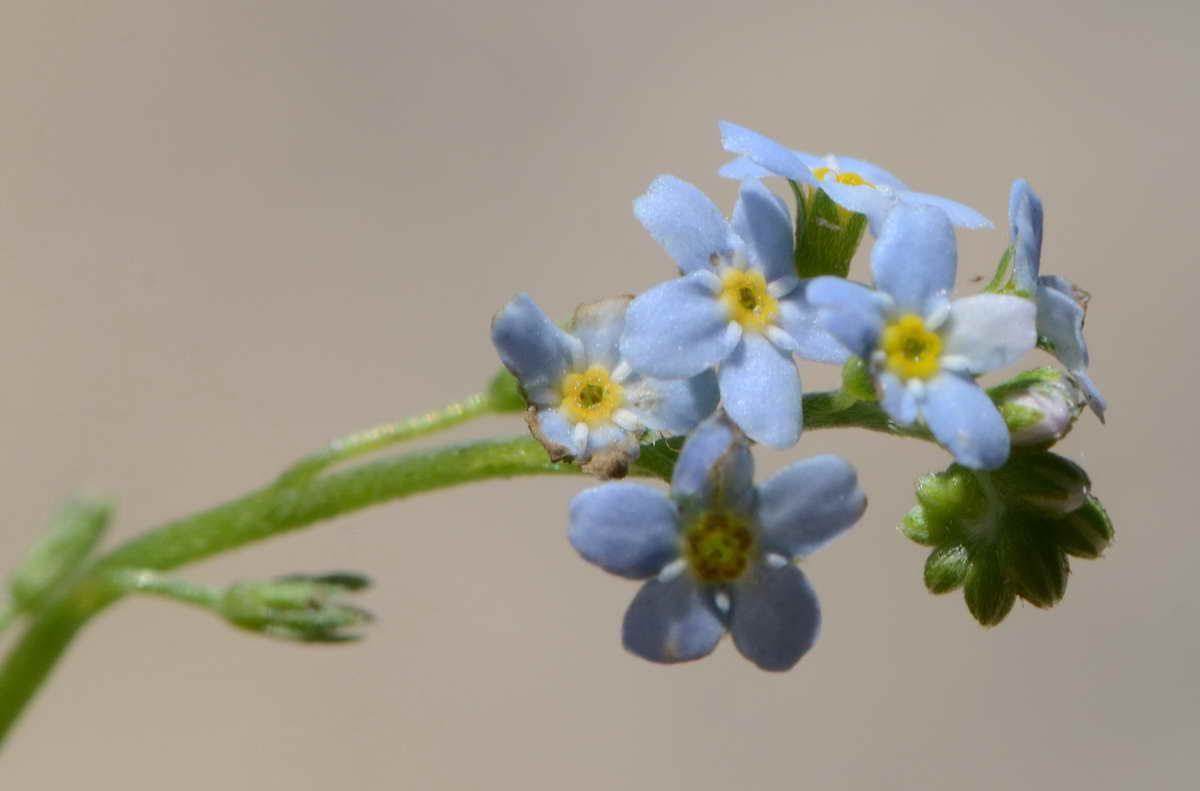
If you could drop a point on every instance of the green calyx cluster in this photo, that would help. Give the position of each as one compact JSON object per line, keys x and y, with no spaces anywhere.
{"x":1008,"y":533}
{"x":827,"y":235}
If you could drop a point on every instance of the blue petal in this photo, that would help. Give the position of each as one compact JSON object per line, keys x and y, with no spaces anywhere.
{"x":766,"y":152}
{"x":684,"y":221}
{"x":1025,"y":229}
{"x":808,"y":503}
{"x":760,"y":389}
{"x":715,"y":463}
{"x":625,"y":528}
{"x":557,"y":430}
{"x":671,"y":622}
{"x":676,"y":329}
{"x":898,"y":401}
{"x":674,"y":406}
{"x":530,"y":345}
{"x":1094,"y":399}
{"x":965,"y":421}
{"x":988,"y":331}
{"x":775,"y":618}
{"x":872,"y":173}
{"x":850,"y":312}
{"x":610,"y":436}
{"x":762,"y":221}
{"x":743,"y":168}
{"x":960,"y":214}
{"x":1060,"y":321}
{"x":915,"y":259}
{"x":875,"y":204}
{"x":801,"y":320}
{"x":598,"y":326}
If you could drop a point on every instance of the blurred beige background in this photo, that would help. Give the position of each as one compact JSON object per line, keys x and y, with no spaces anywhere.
{"x":232,"y":231}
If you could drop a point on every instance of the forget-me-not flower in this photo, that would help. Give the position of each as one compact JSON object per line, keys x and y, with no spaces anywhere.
{"x":1060,"y":307}
{"x":586,"y":402}
{"x":852,"y":183}
{"x":718,"y":552}
{"x":738,"y":304}
{"x":923,"y":349}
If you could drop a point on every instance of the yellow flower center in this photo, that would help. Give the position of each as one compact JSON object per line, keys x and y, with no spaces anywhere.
{"x":853,"y":179}
{"x":592,"y":396}
{"x":717,"y":547}
{"x":745,"y":295}
{"x":912,"y":351}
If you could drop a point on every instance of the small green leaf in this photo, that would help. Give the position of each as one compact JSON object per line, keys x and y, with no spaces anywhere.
{"x":1000,"y":280}
{"x":78,"y":527}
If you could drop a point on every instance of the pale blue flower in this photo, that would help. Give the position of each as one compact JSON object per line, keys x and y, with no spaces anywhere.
{"x":1060,"y":307}
{"x":852,"y":183}
{"x":923,"y":349}
{"x":718,"y":552}
{"x":586,"y":402}
{"x":738,"y":304}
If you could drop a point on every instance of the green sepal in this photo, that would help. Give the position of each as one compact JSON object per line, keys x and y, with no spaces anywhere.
{"x":298,"y":607}
{"x":658,"y":458}
{"x":1085,"y":532}
{"x":1001,"y":280}
{"x":1043,"y":482}
{"x":987,"y":591}
{"x":504,"y":393}
{"x":1034,"y":562}
{"x":946,"y":568}
{"x":857,"y":383}
{"x":51,"y":561}
{"x":1018,"y":417}
{"x":828,"y":237}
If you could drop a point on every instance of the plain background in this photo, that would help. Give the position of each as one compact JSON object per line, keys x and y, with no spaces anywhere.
{"x":232,"y":231}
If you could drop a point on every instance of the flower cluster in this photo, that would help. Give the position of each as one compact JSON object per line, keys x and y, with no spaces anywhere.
{"x":711,"y":354}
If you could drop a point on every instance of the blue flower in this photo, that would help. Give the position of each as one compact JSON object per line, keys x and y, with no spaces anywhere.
{"x":924,"y":350}
{"x":852,"y":183}
{"x":738,"y":303}
{"x":717,"y":553}
{"x":1060,"y":306}
{"x":586,"y":403}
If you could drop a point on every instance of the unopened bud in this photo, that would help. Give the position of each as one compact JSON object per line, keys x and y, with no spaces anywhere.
{"x":1039,"y":406}
{"x":297,"y":607}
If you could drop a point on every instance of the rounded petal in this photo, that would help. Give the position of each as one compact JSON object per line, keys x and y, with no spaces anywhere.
{"x":808,"y":503}
{"x":674,"y":406}
{"x":874,"y":203}
{"x":763,"y":222}
{"x":598,"y":326}
{"x":610,"y":436}
{"x":898,"y":400}
{"x":914,"y":260}
{"x":850,"y":312}
{"x":743,"y":168}
{"x":989,"y":331}
{"x":684,"y":221}
{"x":1060,"y":321}
{"x":960,"y":214}
{"x":530,"y":345}
{"x":676,"y":329}
{"x":872,"y":173}
{"x":760,"y":389}
{"x":1025,"y":228}
{"x":801,"y":320}
{"x":966,"y":422}
{"x":766,"y":152}
{"x":1096,"y":401}
{"x":671,"y":622}
{"x":715,"y":462}
{"x":625,"y":528}
{"x":557,"y":430}
{"x":775,"y":618}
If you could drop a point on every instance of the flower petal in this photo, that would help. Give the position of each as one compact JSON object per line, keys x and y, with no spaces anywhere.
{"x":1060,"y":321}
{"x":808,"y":503}
{"x":874,"y":203}
{"x":760,"y":389}
{"x":715,"y":462}
{"x":675,"y":406}
{"x":625,"y":528}
{"x":775,"y":618}
{"x":989,"y":331}
{"x":762,"y":221}
{"x":598,"y":326}
{"x":684,"y":221}
{"x":1025,"y":229}
{"x":960,"y":214}
{"x":1096,"y":401}
{"x":898,"y":400}
{"x":671,"y":622}
{"x":743,"y":168}
{"x":914,"y":258}
{"x":801,"y":320}
{"x":766,"y":152}
{"x":530,"y":345}
{"x":555,"y":429}
{"x":966,"y":422}
{"x":610,"y":436}
{"x":872,"y":173}
{"x":850,"y":312}
{"x":676,"y":329}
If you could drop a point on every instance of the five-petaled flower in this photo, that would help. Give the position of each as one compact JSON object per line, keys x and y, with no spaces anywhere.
{"x":1060,"y":307}
{"x":718,"y":553}
{"x":586,"y":403}
{"x":852,"y":183}
{"x":923,"y":349}
{"x":738,"y":305}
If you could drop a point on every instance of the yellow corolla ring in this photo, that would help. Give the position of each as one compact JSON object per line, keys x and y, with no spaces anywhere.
{"x":911,"y":350}
{"x":592,"y":396}
{"x":745,"y":295}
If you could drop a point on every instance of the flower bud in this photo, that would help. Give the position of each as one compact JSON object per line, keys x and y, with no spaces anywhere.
{"x":77,"y":528}
{"x":1039,"y":406}
{"x":298,"y":607}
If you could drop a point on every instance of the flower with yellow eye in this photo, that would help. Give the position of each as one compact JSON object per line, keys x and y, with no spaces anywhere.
{"x":924,"y":350}
{"x":852,"y":183}
{"x":586,"y":403}
{"x":717,"y":553}
{"x":738,"y":306}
